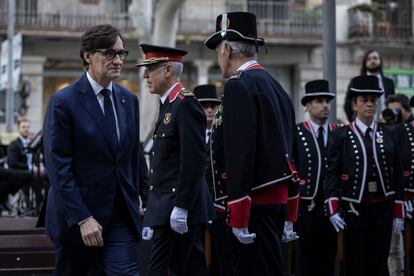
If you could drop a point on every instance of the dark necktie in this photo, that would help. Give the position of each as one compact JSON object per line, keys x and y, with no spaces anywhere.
{"x":368,"y":134}
{"x":321,"y":142}
{"x":110,"y":116}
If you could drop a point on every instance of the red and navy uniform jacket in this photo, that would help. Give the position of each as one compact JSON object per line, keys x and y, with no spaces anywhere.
{"x":347,"y":167}
{"x":405,"y":136}
{"x":309,"y":161}
{"x":251,"y":145}
{"x":177,"y":161}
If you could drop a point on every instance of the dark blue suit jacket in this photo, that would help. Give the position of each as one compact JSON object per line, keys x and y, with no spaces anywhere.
{"x":82,"y":165}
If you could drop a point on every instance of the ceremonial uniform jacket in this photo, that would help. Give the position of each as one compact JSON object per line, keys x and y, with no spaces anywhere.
{"x":251,"y":144}
{"x":405,"y":136}
{"x":309,"y":161}
{"x":346,"y":177}
{"x":177,"y":161}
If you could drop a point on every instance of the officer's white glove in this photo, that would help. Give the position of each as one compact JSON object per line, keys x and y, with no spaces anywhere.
{"x":397,"y":225}
{"x":243,"y":235}
{"x":408,"y":209}
{"x":288,"y":233}
{"x":337,"y":222}
{"x":178,"y":220}
{"x":147,"y":233}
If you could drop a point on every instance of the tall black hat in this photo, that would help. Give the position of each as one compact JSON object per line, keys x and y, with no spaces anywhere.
{"x":206,"y":93}
{"x":154,"y":54}
{"x":365,"y":85}
{"x":317,"y":88}
{"x":235,"y":26}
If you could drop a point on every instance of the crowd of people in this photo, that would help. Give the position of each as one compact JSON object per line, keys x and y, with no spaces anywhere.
{"x":237,"y":166}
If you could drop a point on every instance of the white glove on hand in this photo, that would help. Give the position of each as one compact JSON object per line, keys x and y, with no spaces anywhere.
{"x":243,"y":235}
{"x":397,"y":225}
{"x":147,"y":233}
{"x":337,"y":222}
{"x":288,"y":233}
{"x":408,"y":209}
{"x":178,"y":220}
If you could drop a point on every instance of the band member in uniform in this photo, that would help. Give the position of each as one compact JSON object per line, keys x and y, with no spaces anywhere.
{"x":178,"y":201}
{"x":317,"y":244}
{"x":251,"y":147}
{"x":363,"y":177}
{"x":222,"y":255}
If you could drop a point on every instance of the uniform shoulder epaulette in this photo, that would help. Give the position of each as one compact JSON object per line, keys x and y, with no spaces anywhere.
{"x":186,"y":93}
{"x":236,"y":75}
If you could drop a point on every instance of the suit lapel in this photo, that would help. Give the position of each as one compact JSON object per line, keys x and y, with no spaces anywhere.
{"x":88,"y":100}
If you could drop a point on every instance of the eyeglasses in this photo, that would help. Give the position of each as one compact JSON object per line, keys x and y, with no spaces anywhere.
{"x":110,"y":54}
{"x":152,"y":68}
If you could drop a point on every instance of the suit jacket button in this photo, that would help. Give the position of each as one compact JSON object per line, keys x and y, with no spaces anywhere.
{"x":151,"y":188}
{"x":152,"y":171}
{"x":173,"y":190}
{"x":152,"y":153}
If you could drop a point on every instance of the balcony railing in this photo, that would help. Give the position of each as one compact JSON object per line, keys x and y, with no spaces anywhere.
{"x":275,"y":19}
{"x":380,"y":25}
{"x":64,"y":22}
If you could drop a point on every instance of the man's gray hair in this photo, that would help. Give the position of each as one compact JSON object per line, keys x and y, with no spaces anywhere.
{"x":177,"y":68}
{"x":241,"y":48}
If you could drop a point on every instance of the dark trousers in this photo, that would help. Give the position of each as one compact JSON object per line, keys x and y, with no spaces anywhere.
{"x":223,"y":258}
{"x":318,"y":242}
{"x":367,"y":238}
{"x":174,"y":254}
{"x":117,"y":257}
{"x":264,"y":256}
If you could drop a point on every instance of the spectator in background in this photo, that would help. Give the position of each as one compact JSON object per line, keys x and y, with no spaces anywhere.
{"x":372,"y":64}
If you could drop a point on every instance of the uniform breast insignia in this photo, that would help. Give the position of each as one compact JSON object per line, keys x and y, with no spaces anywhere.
{"x":167,"y":118}
{"x":186,"y":93}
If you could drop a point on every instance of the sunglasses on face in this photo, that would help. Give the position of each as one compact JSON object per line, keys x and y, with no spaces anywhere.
{"x":110,"y":54}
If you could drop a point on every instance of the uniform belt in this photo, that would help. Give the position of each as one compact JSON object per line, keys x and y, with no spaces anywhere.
{"x":376,"y":199}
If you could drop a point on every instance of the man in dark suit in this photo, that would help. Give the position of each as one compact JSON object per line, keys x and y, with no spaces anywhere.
{"x":252,"y":147}
{"x":17,"y":158}
{"x":372,"y":65}
{"x":178,"y":200}
{"x":93,"y":160}
{"x":317,"y":244}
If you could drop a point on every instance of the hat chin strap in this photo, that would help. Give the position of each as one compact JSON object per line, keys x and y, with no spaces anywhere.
{"x":223,"y":25}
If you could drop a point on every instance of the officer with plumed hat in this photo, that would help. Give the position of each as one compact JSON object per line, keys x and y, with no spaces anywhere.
{"x":362,"y":183}
{"x":178,"y":200}
{"x":317,"y":244}
{"x":251,"y":147}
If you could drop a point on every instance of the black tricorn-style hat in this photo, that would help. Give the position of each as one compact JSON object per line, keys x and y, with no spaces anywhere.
{"x":154,"y":54}
{"x":235,"y":26}
{"x":412,"y":101}
{"x":317,"y":88}
{"x":365,"y":85}
{"x":206,"y":93}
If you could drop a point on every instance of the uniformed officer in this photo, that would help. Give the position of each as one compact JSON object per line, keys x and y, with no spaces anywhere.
{"x":222,"y":255}
{"x":251,"y":146}
{"x":317,"y":245}
{"x":364,"y":175}
{"x":178,"y":200}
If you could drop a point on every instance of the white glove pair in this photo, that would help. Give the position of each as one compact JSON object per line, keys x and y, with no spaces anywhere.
{"x":288,"y":233}
{"x":243,"y":235}
{"x":397,"y":225}
{"x":337,"y":222}
{"x":408,"y":209}
{"x":178,"y":223}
